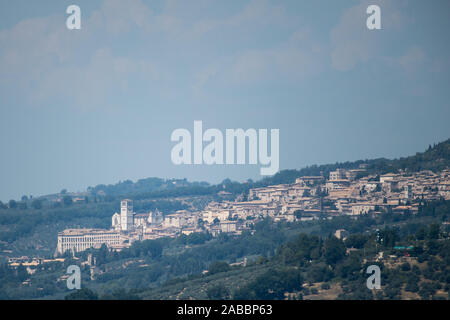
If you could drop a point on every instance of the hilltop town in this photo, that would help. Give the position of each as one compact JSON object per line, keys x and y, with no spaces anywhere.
{"x":343,"y":192}
{"x":173,"y":239}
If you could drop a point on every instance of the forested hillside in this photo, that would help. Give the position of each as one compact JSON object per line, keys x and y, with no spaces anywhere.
{"x":31,"y":224}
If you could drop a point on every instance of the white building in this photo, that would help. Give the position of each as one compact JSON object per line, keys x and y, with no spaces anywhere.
{"x":341,"y":234}
{"x":115,"y":221}
{"x":228,"y":226}
{"x":77,"y":240}
{"x":339,"y":174}
{"x":362,"y":208}
{"x":127,"y":227}
{"x":126,"y":215}
{"x":156,"y":217}
{"x":174,"y":221}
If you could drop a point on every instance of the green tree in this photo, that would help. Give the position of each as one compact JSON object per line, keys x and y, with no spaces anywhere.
{"x":67,"y":200}
{"x":218,"y":292}
{"x":434,"y":231}
{"x":82,"y":294}
{"x":36,"y":204}
{"x":412,"y":286}
{"x":12,"y":204}
{"x":427,"y":289}
{"x":335,"y":250}
{"x":121,"y":294}
{"x":420,"y":234}
{"x":218,"y":266}
{"x":22,"y":273}
{"x":405,"y":267}
{"x":271,"y":285}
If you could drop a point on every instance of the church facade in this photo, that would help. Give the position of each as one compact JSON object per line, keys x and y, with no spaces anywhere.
{"x":126,"y":227}
{"x":128,"y":221}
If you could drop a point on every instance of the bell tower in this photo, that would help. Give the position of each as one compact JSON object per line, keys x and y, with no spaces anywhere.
{"x":126,"y":215}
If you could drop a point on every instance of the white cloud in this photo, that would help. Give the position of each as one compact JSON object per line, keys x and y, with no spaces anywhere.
{"x":412,"y":59}
{"x":283,"y":63}
{"x":352,"y":43}
{"x":91,"y":85}
{"x":117,"y":16}
{"x":41,"y":57}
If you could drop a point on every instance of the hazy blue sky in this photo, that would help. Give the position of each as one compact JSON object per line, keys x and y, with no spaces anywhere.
{"x":98,"y":105}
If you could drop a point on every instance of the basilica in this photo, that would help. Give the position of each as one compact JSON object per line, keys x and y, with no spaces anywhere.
{"x":127,"y":226}
{"x":128,"y":221}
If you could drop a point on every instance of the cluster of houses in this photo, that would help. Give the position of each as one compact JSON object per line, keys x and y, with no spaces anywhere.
{"x":30,"y":264}
{"x":345,"y":192}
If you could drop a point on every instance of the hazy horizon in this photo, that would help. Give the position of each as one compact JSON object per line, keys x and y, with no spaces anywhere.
{"x":210,"y":182}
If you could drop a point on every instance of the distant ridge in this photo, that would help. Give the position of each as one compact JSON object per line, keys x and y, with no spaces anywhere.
{"x":435,"y":158}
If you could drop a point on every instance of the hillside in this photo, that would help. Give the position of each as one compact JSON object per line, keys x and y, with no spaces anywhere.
{"x":29,"y":226}
{"x":296,"y":261}
{"x":330,"y":268}
{"x":299,"y":260}
{"x":435,"y":158}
